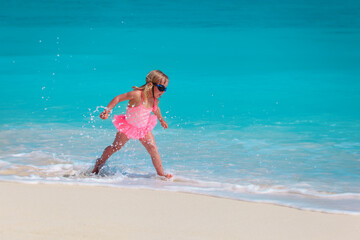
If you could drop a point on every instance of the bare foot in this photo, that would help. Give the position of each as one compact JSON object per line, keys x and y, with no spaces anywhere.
{"x":169,"y":175}
{"x":97,"y":167}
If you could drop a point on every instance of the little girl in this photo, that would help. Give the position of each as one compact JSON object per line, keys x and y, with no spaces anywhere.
{"x":138,"y":121}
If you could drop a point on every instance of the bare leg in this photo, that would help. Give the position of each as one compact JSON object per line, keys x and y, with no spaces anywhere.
{"x":119,"y":141}
{"x":149,"y":143}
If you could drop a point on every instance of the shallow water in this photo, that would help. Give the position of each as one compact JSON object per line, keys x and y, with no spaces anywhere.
{"x":263,"y":101}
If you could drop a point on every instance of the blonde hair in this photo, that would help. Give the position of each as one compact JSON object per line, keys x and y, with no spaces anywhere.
{"x":155,"y":76}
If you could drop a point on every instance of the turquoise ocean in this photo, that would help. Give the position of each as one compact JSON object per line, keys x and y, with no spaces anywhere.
{"x":263,"y":102}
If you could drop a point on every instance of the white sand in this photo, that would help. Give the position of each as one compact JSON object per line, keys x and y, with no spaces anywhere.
{"x":53,"y":212}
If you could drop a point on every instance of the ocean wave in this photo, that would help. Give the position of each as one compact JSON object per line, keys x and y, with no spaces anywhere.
{"x":291,"y":196}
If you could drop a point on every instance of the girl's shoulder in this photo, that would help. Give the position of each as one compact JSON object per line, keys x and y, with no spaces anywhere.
{"x":135,"y":97}
{"x":135,"y":93}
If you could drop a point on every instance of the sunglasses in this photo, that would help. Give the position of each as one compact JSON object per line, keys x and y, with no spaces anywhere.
{"x":161,"y":88}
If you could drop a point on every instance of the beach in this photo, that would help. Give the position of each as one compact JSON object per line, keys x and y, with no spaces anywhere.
{"x":60,"y":211}
{"x":262,"y":107}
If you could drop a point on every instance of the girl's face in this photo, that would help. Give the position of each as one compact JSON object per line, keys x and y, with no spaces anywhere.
{"x":157,"y":92}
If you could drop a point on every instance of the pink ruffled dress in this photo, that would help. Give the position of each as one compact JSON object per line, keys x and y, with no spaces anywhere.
{"x":137,"y":121}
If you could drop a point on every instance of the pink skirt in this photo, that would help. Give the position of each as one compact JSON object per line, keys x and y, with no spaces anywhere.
{"x":131,"y":131}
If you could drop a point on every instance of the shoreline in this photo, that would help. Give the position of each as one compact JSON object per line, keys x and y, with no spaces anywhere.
{"x":60,"y":211}
{"x":142,"y":187}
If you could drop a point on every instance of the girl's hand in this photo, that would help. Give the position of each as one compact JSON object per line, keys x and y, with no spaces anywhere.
{"x":164,"y":124}
{"x":104,"y":115}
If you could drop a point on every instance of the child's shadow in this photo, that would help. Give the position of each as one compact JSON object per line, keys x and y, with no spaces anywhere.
{"x":139,"y":175}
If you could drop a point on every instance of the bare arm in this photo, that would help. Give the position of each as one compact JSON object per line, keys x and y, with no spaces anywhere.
{"x":160,"y":117}
{"x":115,"y":101}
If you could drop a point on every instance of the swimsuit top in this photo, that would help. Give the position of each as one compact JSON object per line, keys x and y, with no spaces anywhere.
{"x":139,"y":116}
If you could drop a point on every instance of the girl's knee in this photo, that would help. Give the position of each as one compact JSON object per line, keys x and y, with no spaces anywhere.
{"x":151,"y":147}
{"x":116,"y":147}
